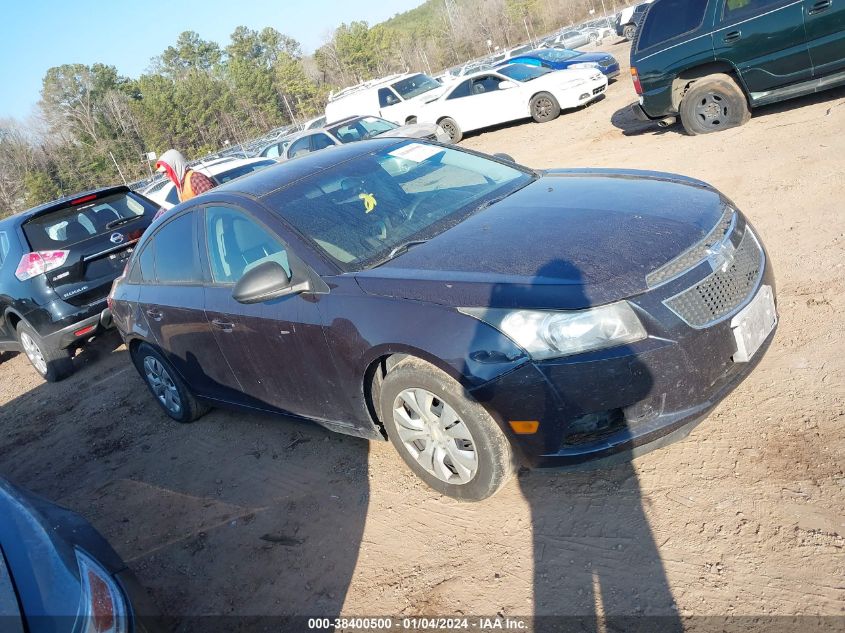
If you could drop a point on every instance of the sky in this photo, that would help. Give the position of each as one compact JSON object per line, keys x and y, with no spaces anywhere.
{"x":38,"y":34}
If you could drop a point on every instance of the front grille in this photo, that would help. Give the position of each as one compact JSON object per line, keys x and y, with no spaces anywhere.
{"x":718,"y":295}
{"x":695,"y":255}
{"x":598,"y":90}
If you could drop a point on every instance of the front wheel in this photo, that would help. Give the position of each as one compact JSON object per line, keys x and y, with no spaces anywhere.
{"x":172,"y":395}
{"x":712,"y":104}
{"x":544,"y":107}
{"x":629,"y":32}
{"x":451,"y":127}
{"x":52,"y":363}
{"x":450,"y":441}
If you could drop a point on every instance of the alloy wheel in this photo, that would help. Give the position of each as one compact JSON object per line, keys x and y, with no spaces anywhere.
{"x":435,"y":436}
{"x":543,"y":107}
{"x":162,"y":385}
{"x":33,"y":353}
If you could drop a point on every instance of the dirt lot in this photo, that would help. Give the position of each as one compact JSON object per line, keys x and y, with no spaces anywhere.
{"x":241,"y":514}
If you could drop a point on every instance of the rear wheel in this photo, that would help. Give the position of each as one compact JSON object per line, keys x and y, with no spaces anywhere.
{"x":450,"y":441}
{"x":629,"y":32}
{"x":451,"y":127}
{"x":172,"y":395}
{"x":544,"y":107}
{"x":52,"y":363}
{"x":712,"y":104}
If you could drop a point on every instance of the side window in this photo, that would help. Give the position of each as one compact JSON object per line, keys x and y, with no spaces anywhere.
{"x":236,"y":244}
{"x":321,"y":141}
{"x":488,"y":83}
{"x":669,"y":19}
{"x":147,"y":263}
{"x":386,"y":97}
{"x":738,"y":9}
{"x":272,"y":151}
{"x":175,"y":259}
{"x":302,"y":146}
{"x":462,"y":90}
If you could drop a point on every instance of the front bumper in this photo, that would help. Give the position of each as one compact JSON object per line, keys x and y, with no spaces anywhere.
{"x":614,"y":404}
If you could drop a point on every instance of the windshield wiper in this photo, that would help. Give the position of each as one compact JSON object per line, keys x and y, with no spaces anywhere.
{"x":405,"y":246}
{"x":120,"y":221}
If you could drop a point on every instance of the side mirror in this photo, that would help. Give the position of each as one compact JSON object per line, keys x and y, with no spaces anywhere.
{"x":506,"y":85}
{"x":266,"y":281}
{"x":503,"y":156}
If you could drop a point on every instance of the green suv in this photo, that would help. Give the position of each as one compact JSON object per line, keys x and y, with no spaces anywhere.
{"x":710,"y":61}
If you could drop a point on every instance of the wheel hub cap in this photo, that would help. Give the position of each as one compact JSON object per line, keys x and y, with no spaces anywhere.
{"x":162,"y":385}
{"x":33,"y":353}
{"x":713,"y":110}
{"x":434,"y":435}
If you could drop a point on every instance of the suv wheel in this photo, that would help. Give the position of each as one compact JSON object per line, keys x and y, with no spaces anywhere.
{"x":544,"y":107}
{"x":712,"y":104}
{"x":629,"y":32}
{"x":450,"y":441}
{"x":52,"y":363}
{"x":167,"y":388}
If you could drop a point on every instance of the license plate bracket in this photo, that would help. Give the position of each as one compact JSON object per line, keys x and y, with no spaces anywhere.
{"x":753,"y":324}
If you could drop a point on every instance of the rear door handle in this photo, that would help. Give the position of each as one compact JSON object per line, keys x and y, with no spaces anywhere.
{"x":818,"y":7}
{"x":733,"y":36}
{"x":226,"y":326}
{"x":155,"y":315}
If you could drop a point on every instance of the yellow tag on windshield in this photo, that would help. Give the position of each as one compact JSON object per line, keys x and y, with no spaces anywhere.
{"x":369,"y":201}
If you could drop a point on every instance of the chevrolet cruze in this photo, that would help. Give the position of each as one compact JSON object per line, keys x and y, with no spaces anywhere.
{"x":478,"y":314}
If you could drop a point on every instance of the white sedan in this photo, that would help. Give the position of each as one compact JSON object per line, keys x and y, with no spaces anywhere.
{"x":510,"y":93}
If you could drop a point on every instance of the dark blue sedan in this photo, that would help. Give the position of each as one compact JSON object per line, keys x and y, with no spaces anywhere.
{"x":562,"y":58}
{"x":476,"y":313}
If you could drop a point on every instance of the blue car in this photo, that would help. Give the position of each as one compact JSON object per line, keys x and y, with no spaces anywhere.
{"x":58,"y":574}
{"x":562,"y":58}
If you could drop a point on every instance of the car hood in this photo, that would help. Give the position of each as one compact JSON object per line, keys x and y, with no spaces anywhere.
{"x":570,"y":240}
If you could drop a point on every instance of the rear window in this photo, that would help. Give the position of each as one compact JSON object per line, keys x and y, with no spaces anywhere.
{"x":64,"y":227}
{"x":668,"y":19}
{"x":243,"y":170}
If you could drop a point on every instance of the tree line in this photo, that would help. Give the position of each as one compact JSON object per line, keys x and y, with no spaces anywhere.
{"x":93,"y":126}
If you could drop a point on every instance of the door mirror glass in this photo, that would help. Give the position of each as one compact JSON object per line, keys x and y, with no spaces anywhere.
{"x":268,"y":280}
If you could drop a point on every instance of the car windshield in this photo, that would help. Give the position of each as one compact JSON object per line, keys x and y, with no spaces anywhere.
{"x":363,"y":128}
{"x":415,"y":86}
{"x":237,"y":172}
{"x":557,"y":54}
{"x":523,"y":72}
{"x":360,"y":211}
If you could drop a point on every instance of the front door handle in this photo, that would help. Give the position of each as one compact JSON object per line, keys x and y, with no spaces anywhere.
{"x":226,"y":326}
{"x":733,"y":36}
{"x":155,"y":315}
{"x":818,"y":7}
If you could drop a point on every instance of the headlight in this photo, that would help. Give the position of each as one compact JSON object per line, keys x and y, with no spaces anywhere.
{"x":102,"y":608}
{"x":549,"y":334}
{"x":585,"y":65}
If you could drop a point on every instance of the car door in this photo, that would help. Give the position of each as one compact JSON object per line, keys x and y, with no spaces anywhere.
{"x":277,"y":348}
{"x":390,"y":105}
{"x":824,"y":21}
{"x":172,"y":301}
{"x":495,"y":99}
{"x":765,"y":40}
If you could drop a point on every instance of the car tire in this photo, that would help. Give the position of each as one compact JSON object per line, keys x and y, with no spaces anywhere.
{"x":712,"y":104}
{"x":451,"y":127}
{"x":629,"y":32}
{"x":593,"y":38}
{"x":53,"y":364}
{"x":168,"y":389}
{"x":445,"y":437}
{"x":544,"y":107}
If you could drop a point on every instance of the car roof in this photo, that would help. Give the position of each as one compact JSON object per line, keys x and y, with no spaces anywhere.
{"x":23,"y":216}
{"x":273,"y":178}
{"x":219,"y":167}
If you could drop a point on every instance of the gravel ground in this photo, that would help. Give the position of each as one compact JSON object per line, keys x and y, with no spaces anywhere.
{"x":249,"y":515}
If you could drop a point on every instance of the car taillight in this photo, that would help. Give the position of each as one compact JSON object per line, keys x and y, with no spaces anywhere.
{"x":39,"y":262}
{"x":635,"y":76}
{"x":102,"y":607}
